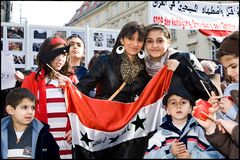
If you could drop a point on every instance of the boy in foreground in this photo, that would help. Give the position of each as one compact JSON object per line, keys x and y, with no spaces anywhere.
{"x":179,"y":136}
{"x":23,"y":136}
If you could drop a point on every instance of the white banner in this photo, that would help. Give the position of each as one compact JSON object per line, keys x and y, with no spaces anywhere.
{"x":8,"y":71}
{"x":195,"y":15}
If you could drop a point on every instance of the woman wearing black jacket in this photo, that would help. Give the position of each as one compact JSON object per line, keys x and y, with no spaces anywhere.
{"x":124,"y":64}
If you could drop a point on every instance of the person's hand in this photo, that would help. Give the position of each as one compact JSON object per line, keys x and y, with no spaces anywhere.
{"x":177,"y":148}
{"x":19,"y":76}
{"x":225,"y":104}
{"x":227,"y":124}
{"x":172,"y":64}
{"x":208,"y":125}
{"x":184,"y":155}
{"x":214,"y":101}
{"x":68,"y":137}
{"x":62,"y":80}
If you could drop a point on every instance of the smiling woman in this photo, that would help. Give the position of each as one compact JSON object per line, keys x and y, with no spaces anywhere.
{"x":35,"y":12}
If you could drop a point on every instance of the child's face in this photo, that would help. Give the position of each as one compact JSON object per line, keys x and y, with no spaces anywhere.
{"x":59,"y":61}
{"x":231,"y":64}
{"x":76,"y":48}
{"x":23,"y":114}
{"x":178,"y":108}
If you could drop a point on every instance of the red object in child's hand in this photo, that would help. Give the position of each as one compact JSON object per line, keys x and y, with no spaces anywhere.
{"x":201,"y":106}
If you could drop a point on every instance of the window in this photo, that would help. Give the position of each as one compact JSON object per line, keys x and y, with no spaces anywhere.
{"x":127,"y":5}
{"x":214,"y":52}
{"x":97,"y":19}
{"x":173,"y":34}
{"x":192,"y":48}
{"x":115,"y":8}
{"x":191,"y":32}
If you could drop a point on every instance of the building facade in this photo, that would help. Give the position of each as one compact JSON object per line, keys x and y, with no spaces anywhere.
{"x":114,"y":14}
{"x":6,"y":9}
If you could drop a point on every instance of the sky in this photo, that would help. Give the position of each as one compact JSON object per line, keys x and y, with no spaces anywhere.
{"x":50,"y":13}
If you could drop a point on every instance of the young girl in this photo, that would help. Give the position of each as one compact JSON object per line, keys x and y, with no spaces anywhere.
{"x":50,"y":107}
{"x":157,"y":46}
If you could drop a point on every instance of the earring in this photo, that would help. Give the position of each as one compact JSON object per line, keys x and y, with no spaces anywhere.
{"x":141,"y":54}
{"x":120,"y":49}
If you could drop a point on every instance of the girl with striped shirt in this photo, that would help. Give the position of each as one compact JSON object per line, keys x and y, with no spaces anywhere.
{"x":44,"y":83}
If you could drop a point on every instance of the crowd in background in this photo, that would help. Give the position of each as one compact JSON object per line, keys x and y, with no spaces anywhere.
{"x":137,"y":55}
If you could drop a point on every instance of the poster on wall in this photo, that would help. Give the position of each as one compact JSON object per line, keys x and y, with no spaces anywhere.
{"x":98,"y":38}
{"x":14,"y":32}
{"x":81,"y":34}
{"x":40,"y":34}
{"x":15,"y":46}
{"x":110,"y":39}
{"x":36,"y":46}
{"x":62,"y":34}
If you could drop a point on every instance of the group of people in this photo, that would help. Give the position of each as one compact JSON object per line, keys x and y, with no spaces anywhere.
{"x":38,"y":108}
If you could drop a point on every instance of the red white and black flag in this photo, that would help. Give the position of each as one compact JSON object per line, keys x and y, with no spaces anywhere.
{"x":110,"y":129}
{"x":216,"y":36}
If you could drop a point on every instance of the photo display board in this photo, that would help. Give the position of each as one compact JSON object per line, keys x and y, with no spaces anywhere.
{"x":13,"y":41}
{"x":24,"y":41}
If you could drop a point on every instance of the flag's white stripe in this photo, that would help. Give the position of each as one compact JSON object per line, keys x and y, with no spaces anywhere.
{"x":153,"y":113}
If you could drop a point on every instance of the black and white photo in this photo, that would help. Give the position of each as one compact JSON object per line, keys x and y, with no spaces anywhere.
{"x":40,"y":34}
{"x":15,"y":32}
{"x":98,"y":39}
{"x":36,"y":47}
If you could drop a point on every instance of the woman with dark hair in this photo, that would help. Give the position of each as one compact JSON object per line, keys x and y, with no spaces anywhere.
{"x":76,"y":54}
{"x":44,"y":84}
{"x":123,"y":67}
{"x":187,"y":69}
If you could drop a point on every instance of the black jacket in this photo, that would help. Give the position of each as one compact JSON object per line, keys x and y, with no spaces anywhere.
{"x":103,"y":76}
{"x":187,"y":75}
{"x":47,"y":147}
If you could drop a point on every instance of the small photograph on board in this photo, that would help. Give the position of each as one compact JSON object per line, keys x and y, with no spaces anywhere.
{"x":81,"y":34}
{"x":15,"y":32}
{"x":36,"y":47}
{"x":39,"y":34}
{"x":19,"y":59}
{"x":61,"y":34}
{"x":98,"y":39}
{"x":110,"y":39}
{"x":15,"y":46}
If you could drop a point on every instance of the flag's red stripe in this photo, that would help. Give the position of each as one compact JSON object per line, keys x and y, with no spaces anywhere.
{"x":219,"y":33}
{"x":110,"y":115}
